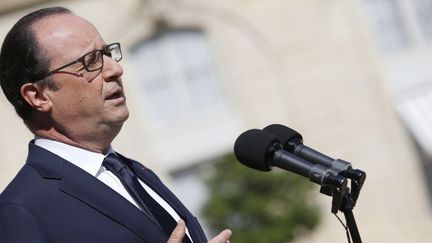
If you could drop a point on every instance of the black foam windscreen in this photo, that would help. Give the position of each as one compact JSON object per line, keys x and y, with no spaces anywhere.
{"x":284,"y":133}
{"x":252,"y":147}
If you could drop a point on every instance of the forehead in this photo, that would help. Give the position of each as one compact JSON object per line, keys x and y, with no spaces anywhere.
{"x":66,"y":34}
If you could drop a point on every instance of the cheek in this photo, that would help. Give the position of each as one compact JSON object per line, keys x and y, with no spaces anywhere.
{"x":87,"y":93}
{"x":77,"y":103}
{"x":79,"y":97}
{"x":88,"y":101}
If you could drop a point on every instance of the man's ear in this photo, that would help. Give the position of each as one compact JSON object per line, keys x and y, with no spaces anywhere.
{"x":35,"y":96}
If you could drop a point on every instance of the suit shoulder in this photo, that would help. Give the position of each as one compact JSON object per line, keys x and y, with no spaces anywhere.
{"x":23,"y":186}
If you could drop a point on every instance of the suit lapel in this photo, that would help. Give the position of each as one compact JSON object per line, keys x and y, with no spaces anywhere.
{"x":154,"y":182}
{"x":88,"y":189}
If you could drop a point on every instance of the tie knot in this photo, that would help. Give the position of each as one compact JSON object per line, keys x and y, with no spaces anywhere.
{"x":114,"y":164}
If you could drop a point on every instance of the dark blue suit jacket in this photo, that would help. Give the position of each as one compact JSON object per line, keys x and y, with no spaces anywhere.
{"x":52,"y":200}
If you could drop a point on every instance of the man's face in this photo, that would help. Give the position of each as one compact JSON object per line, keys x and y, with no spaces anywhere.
{"x":92,"y":102}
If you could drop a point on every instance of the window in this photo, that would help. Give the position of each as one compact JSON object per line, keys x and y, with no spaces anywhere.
{"x":400,"y":24}
{"x":423,"y":9}
{"x":413,"y":106}
{"x":404,"y":28}
{"x":182,"y":99}
{"x":177,"y":77}
{"x":388,"y":24}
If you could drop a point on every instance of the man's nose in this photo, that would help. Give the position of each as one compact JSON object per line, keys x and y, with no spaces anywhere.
{"x":112,"y":70}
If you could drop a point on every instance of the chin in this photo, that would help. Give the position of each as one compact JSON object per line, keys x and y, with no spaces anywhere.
{"x":116,"y":117}
{"x":122,"y":117}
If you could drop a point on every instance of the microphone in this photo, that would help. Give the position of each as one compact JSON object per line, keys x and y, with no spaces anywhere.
{"x":262,"y":150}
{"x":292,"y":141}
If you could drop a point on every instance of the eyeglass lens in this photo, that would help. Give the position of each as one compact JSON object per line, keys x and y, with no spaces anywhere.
{"x":93,"y":61}
{"x":115,"y":52}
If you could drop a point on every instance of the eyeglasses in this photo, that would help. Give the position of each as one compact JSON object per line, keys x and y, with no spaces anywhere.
{"x":93,"y":61}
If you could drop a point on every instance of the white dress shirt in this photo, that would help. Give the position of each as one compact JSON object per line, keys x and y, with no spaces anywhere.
{"x":91,"y":162}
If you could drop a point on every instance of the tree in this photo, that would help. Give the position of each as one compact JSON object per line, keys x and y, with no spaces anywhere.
{"x":262,"y":207}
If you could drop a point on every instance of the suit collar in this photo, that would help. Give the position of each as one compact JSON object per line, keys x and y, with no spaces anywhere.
{"x":38,"y":157}
{"x":87,"y":160}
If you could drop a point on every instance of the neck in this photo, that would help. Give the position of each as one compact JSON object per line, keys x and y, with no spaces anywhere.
{"x":93,"y":138}
{"x":88,"y":145}
{"x":91,"y":142}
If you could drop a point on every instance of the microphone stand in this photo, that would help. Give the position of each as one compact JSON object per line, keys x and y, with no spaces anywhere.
{"x":344,"y":200}
{"x":347,"y":207}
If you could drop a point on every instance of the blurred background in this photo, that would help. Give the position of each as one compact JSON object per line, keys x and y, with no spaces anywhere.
{"x":354,"y":77}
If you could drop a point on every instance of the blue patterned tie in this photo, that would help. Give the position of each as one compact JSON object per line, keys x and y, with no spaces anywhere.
{"x":129,"y":180}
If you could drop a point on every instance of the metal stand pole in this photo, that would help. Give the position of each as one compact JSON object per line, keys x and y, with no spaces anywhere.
{"x":352,"y":226}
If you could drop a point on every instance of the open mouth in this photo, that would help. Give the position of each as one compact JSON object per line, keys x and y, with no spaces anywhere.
{"x":115,"y":95}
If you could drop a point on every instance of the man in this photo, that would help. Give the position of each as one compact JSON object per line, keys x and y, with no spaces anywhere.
{"x":65,"y":83}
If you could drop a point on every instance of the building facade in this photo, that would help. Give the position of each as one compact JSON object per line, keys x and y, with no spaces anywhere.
{"x":350,"y":76}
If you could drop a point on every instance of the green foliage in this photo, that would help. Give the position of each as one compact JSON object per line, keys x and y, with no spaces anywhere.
{"x":262,"y":207}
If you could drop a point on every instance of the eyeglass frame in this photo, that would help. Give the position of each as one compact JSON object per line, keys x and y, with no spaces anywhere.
{"x":105,"y":52}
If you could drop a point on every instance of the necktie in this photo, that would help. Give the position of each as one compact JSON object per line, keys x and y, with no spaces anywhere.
{"x":129,"y":180}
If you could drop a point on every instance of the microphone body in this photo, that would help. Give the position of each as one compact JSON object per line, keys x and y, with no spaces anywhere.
{"x":292,"y":141}
{"x":315,"y":172}
{"x":309,"y":154}
{"x":261,"y":150}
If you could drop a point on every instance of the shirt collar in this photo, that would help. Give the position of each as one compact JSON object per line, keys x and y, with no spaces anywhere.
{"x":87,"y":160}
